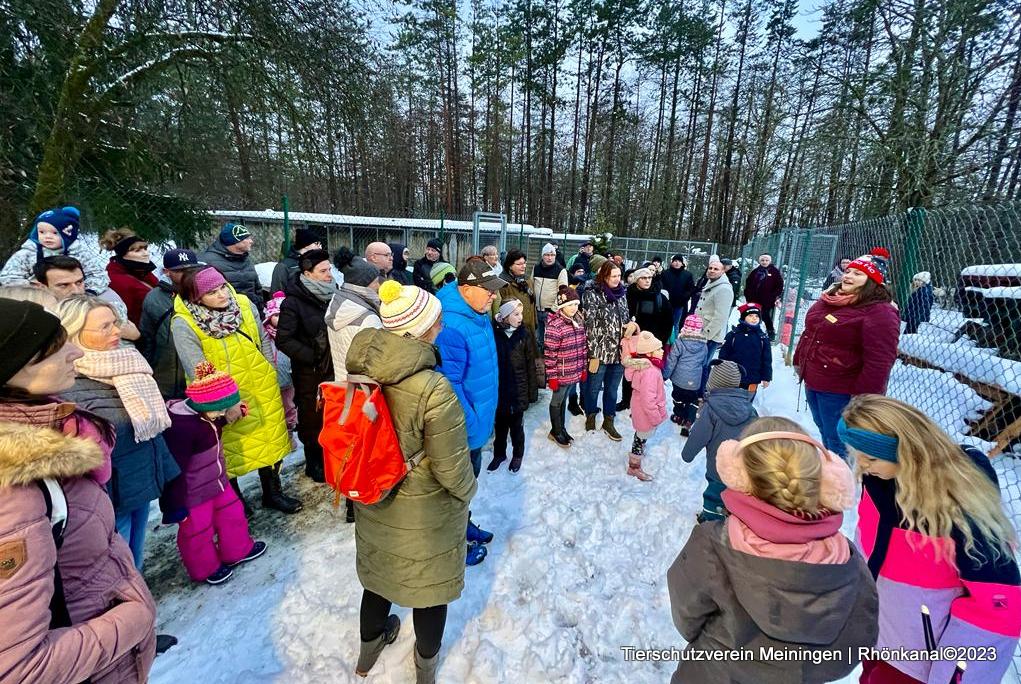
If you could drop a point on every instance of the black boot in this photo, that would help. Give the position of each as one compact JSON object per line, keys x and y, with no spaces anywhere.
{"x":314,"y":465}
{"x":164,"y":642}
{"x":573,"y":407}
{"x":350,"y":513}
{"x":496,"y":463}
{"x":272,"y":492}
{"x":249,"y":511}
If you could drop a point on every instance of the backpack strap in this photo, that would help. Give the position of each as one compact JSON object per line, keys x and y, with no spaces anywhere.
{"x":56,"y":512}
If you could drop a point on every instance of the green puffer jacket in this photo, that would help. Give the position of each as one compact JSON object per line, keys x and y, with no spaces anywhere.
{"x":410,"y":546}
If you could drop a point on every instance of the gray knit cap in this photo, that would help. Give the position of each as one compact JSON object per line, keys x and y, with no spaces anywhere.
{"x":724,"y":374}
{"x":356,"y":270}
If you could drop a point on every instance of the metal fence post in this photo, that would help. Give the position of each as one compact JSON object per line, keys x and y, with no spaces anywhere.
{"x":916,"y":224}
{"x":801,"y":293}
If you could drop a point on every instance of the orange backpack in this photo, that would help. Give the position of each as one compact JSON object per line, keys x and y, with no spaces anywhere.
{"x":361,"y":455}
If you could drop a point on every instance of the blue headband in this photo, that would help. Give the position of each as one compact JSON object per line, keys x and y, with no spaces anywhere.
{"x":874,"y":444}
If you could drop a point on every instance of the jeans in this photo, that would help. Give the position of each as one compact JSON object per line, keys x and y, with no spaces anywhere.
{"x":540,"y":330}
{"x":826,"y":408}
{"x":429,"y":622}
{"x":131,"y":526}
{"x":711,"y":349}
{"x":678,"y":315}
{"x":607,"y":378}
{"x":558,"y":408}
{"x":512,"y":423}
{"x":768,"y":311}
{"x":476,"y":459}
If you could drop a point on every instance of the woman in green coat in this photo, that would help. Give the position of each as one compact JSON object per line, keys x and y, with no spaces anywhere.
{"x":410,"y":546}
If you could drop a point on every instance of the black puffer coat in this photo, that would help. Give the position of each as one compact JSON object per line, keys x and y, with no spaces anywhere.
{"x":301,"y":334}
{"x":515,"y":356}
{"x":651,"y":311}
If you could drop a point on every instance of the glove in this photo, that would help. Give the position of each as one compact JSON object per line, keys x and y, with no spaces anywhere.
{"x":554,"y":384}
{"x":584,"y":375}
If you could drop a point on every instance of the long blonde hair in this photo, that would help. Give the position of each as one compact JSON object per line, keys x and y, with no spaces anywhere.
{"x":785,"y":473}
{"x":75,"y":309}
{"x":938,"y":486}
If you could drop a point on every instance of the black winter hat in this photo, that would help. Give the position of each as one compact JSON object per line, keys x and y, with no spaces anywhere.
{"x":28,"y":330}
{"x":303,"y":237}
{"x":435,"y":243}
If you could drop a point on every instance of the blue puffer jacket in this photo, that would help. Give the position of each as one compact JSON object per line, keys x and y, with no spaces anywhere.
{"x":468,"y":360}
{"x":140,"y":471}
{"x":684,"y":365}
{"x":748,"y":346}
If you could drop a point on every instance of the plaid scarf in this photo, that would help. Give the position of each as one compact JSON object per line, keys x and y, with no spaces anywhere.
{"x":131,"y":375}
{"x":217,"y":323}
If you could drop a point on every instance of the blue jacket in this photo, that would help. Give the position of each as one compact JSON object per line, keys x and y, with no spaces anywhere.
{"x":468,"y":360}
{"x":140,"y":470}
{"x":918,"y":309}
{"x":684,"y":365}
{"x":748,"y":346}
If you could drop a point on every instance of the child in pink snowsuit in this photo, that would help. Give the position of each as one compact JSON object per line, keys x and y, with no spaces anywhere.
{"x":281,"y":362}
{"x":644,"y":370}
{"x":212,"y":533}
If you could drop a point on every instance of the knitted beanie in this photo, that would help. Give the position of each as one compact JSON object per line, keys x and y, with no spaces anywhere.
{"x":647,"y":343}
{"x":407,"y":310}
{"x":212,"y":390}
{"x":748,"y":309}
{"x":507,"y":308}
{"x":643,"y":272}
{"x":273,"y":305}
{"x":923,"y":277}
{"x":692,"y":326}
{"x":64,"y":219}
{"x":207,"y":280}
{"x":724,"y":374}
{"x":565,"y":296}
{"x":869,"y":268}
{"x":233,"y":233}
{"x":436,"y":244}
{"x":440,"y":271}
{"x":548,"y":249}
{"x":596,"y":262}
{"x":303,"y":237}
{"x":28,"y":329}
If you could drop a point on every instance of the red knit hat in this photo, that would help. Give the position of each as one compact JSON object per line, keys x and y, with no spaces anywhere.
{"x":881,"y":252}
{"x":869,"y":269}
{"x":749,"y":308}
{"x":212,"y":390}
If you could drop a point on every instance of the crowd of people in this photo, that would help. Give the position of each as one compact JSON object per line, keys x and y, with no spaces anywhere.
{"x":120,"y":387}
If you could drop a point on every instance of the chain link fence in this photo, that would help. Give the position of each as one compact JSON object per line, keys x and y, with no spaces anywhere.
{"x":956,"y":278}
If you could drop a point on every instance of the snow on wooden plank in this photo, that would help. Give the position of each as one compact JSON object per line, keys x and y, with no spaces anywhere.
{"x":1012,"y":270}
{"x":975,"y":363}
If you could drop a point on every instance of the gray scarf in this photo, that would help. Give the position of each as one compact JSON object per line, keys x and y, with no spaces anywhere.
{"x":322,"y":291}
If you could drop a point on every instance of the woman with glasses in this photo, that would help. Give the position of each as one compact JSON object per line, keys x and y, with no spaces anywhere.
{"x":214,"y":323}
{"x":115,"y":383}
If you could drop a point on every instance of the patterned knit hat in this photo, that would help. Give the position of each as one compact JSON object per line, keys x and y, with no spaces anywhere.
{"x":64,"y":219}
{"x":439,"y":272}
{"x":233,"y":233}
{"x":565,"y":296}
{"x":869,"y":268}
{"x":212,"y":390}
{"x":407,"y":310}
{"x":273,"y":306}
{"x":724,"y":374}
{"x":692,"y":326}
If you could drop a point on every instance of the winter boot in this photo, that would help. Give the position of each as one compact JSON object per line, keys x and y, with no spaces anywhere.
{"x":272,"y":492}
{"x":573,"y":407}
{"x":237,"y":490}
{"x":476,"y":554}
{"x":685,"y":428}
{"x":258,"y":548}
{"x":676,"y":419}
{"x":515,"y":464}
{"x":610,"y":430}
{"x":634,"y":468}
{"x":370,"y":650}
{"x":590,"y":422}
{"x":349,"y":513}
{"x":477,"y":534}
{"x":222,"y":574}
{"x":314,"y":468}
{"x":567,"y":435}
{"x":425,"y":668}
{"x":623,"y":406}
{"x":496,"y":463}
{"x":559,"y":438}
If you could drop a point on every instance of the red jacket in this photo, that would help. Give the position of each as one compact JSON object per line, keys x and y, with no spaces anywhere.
{"x":131,"y":288}
{"x":848,"y":349}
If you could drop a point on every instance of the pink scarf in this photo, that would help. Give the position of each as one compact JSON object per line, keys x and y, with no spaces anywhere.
{"x":759,"y":529}
{"x":838,"y":298}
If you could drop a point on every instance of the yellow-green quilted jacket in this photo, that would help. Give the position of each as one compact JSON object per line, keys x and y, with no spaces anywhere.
{"x":259,"y":439}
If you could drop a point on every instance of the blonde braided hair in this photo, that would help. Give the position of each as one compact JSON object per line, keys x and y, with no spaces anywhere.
{"x":784,"y":473}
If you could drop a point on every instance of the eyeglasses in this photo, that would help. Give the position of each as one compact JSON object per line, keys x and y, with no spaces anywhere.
{"x":388,"y":255}
{"x":106,"y":328}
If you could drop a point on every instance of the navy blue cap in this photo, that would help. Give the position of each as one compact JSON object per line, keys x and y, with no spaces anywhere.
{"x":180,"y":258}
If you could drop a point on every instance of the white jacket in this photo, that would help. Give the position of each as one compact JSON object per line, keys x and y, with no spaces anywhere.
{"x":18,"y":269}
{"x":714,"y":308}
{"x":351,"y":310}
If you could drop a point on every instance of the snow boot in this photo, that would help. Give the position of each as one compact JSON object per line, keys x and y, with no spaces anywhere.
{"x":573,"y":407}
{"x":634,"y":468}
{"x":559,"y":438}
{"x":676,"y":419}
{"x":476,"y":554}
{"x":685,"y":428}
{"x":495,"y":463}
{"x":249,"y":512}
{"x":371,"y":650}
{"x":258,"y":548}
{"x":565,"y":433}
{"x":425,"y":668}
{"x":222,"y":574}
{"x":477,"y":534}
{"x":610,"y":430}
{"x":349,"y":514}
{"x":515,"y":464}
{"x":590,"y":422}
{"x":272,"y":491}
{"x":314,"y":469}
{"x":165,"y":642}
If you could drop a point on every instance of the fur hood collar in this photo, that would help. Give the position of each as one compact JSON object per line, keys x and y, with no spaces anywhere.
{"x":29,"y":454}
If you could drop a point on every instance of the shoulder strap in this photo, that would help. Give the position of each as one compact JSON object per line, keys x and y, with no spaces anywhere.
{"x":56,"y":512}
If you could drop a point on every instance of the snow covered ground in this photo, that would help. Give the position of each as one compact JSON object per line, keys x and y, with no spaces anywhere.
{"x":576,"y":572}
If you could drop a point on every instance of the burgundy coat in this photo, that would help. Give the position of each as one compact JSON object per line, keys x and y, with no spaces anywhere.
{"x":764,"y":286}
{"x":131,"y":288}
{"x":112,"y":637}
{"x":848,"y":349}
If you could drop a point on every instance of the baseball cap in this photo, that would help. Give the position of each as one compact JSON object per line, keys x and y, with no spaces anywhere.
{"x":180,"y":258}
{"x":480,"y":274}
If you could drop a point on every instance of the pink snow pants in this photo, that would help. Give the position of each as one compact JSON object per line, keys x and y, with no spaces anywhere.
{"x":290,"y":410}
{"x":223,"y":517}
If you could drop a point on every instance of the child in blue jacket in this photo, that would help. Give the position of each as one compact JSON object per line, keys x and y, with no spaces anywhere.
{"x":684,"y":370}
{"x":747,"y":345}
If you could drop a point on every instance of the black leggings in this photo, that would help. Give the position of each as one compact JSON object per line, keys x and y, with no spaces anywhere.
{"x":429,"y":622}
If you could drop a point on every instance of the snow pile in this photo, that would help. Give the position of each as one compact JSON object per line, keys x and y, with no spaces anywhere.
{"x":972,"y":362}
{"x":951,"y":404}
{"x":1003,"y":270}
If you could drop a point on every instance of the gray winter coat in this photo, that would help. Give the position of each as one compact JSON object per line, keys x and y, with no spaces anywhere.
{"x":239,"y":270}
{"x":724,"y":600}
{"x":684,"y":365}
{"x":157,"y":344}
{"x":714,"y":307}
{"x":723,"y":416}
{"x":140,"y":470}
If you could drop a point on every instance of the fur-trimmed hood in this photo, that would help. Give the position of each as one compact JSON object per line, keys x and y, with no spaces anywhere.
{"x":29,"y":454}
